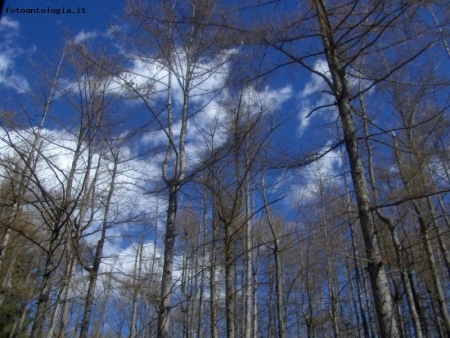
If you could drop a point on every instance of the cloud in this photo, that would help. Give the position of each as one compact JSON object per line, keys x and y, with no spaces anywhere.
{"x":207,"y":93}
{"x":316,"y":83}
{"x":57,"y":153}
{"x":8,"y":24}
{"x":123,"y":260}
{"x":9,"y":52}
{"x":5,"y":63}
{"x":303,"y":186}
{"x":83,"y":36}
{"x":314,"y":95}
{"x":317,"y":93}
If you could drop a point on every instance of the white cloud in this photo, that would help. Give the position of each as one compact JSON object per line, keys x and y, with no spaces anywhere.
{"x":9,"y":51}
{"x":317,"y":93}
{"x":5,"y":63}
{"x":314,"y":95}
{"x":121,"y":260}
{"x":8,"y":24}
{"x":207,"y":91}
{"x":316,"y":83}
{"x":83,"y":36}
{"x":56,"y":160}
{"x":303,"y":186}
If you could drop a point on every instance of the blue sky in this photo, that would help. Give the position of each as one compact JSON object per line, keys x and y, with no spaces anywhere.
{"x":35,"y":36}
{"x":27,"y":39}
{"x":30,"y":43}
{"x":45,"y":28}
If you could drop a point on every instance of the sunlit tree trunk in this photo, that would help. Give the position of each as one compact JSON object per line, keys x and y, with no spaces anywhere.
{"x":390,"y":224}
{"x":94,"y":271}
{"x":203,"y":240}
{"x":424,"y":221}
{"x":45,"y":287}
{"x":229,"y":280}
{"x":255,"y":271}
{"x":137,"y":272}
{"x":184,"y":307}
{"x":362,"y":295}
{"x":379,"y":282}
{"x":278,"y":269}
{"x":212,"y":278}
{"x":248,"y":290}
{"x":65,"y":316}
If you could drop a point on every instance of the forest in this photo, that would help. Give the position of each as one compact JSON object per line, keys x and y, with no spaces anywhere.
{"x":254,"y":168}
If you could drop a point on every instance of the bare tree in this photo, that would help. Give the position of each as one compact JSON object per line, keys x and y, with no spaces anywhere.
{"x":186,"y":50}
{"x":343,"y":42}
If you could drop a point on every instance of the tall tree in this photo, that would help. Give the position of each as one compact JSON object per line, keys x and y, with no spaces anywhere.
{"x":173,"y":37}
{"x":347,"y":33}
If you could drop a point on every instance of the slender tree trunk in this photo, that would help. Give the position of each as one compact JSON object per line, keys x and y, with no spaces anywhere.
{"x":67,"y":300}
{"x":255,"y":271}
{"x":212,"y":282}
{"x":333,"y":300}
{"x":136,"y":287}
{"x":405,"y":280}
{"x":248,"y":290}
{"x":166,"y":283}
{"x":42,"y":303}
{"x":436,"y":282}
{"x":379,"y":282}
{"x":278,"y":269}
{"x":439,"y":235}
{"x":248,"y":247}
{"x":6,"y":284}
{"x":5,"y":240}
{"x":64,"y":301}
{"x":390,"y":224}
{"x":55,"y":315}
{"x":202,"y":242}
{"x":184,"y":307}
{"x":135,"y":293}
{"x":355,"y":313}
{"x":355,"y":251}
{"x":229,"y":282}
{"x":93,"y":272}
{"x":45,"y":288}
{"x":18,"y":329}
{"x":213,"y":260}
{"x":424,"y":228}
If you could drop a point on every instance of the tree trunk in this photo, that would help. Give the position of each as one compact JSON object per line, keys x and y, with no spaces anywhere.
{"x":248,"y":290}
{"x":278,"y":269}
{"x":379,"y":282}
{"x":184,"y":306}
{"x":424,"y":228}
{"x":166,"y":282}
{"x":212,"y":283}
{"x":93,"y":272}
{"x":229,"y":282}
{"x":136,"y":286}
{"x":405,"y":277}
{"x":68,"y":294}
{"x":248,"y":247}
{"x":203,"y":240}
{"x":255,"y":293}
{"x":45,"y":288}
